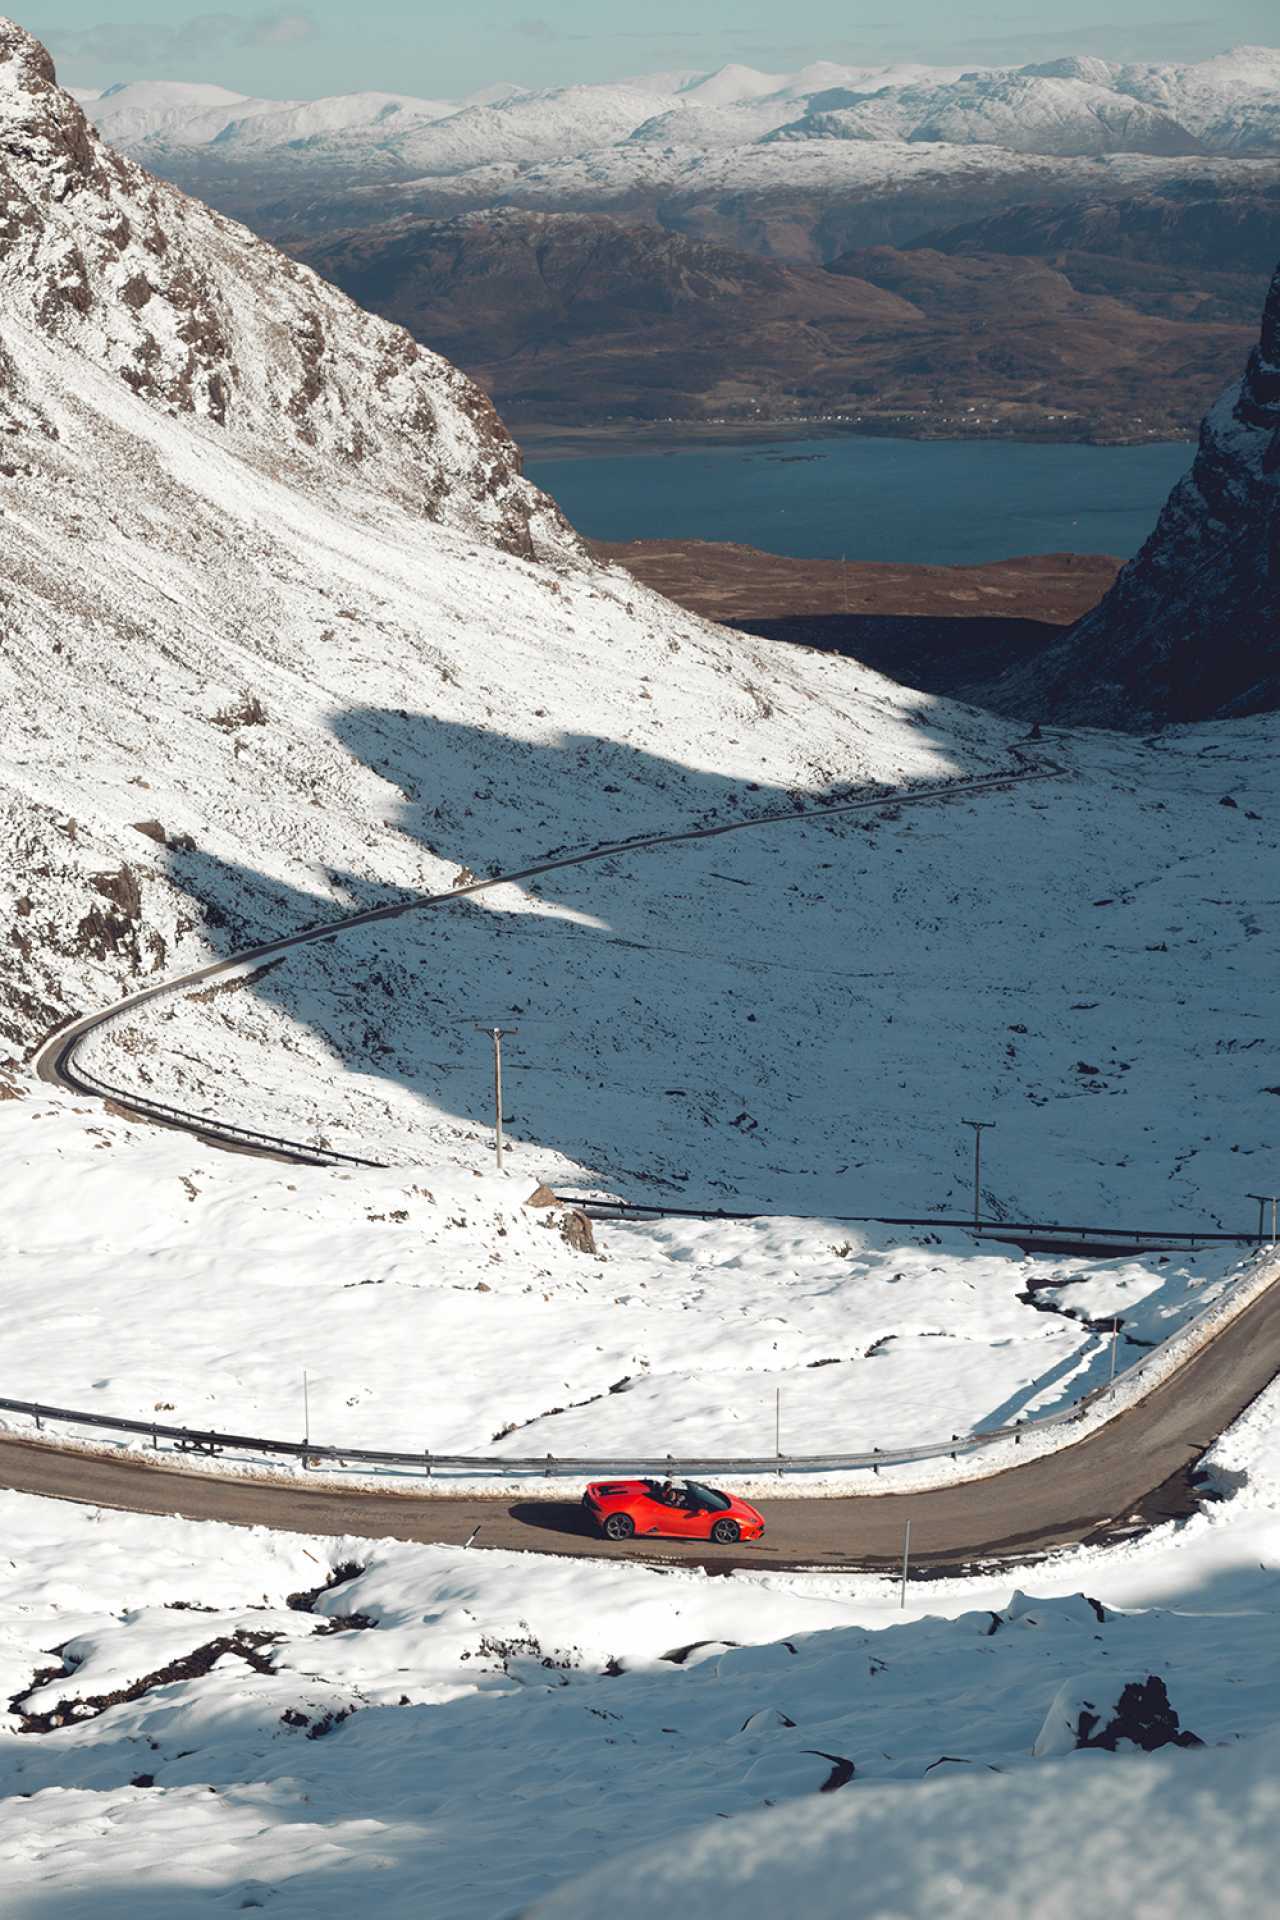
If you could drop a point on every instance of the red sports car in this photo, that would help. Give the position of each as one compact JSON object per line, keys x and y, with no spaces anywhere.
{"x":682,"y":1508}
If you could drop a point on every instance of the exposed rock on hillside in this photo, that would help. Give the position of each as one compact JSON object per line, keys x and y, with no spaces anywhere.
{"x":196,"y":316}
{"x":1133,"y":1712}
{"x":1191,"y":629}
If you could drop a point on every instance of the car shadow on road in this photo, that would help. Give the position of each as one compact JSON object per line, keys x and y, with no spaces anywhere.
{"x":554,"y":1516}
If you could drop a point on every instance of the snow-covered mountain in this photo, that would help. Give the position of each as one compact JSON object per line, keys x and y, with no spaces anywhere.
{"x":1070,"y":106}
{"x":799,"y":166}
{"x":1190,"y":627}
{"x":282,"y":631}
{"x":285,"y":632}
{"x":168,"y":112}
{"x":1027,"y":113}
{"x":243,"y":519}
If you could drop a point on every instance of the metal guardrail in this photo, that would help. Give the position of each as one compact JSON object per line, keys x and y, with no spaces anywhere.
{"x":201,"y":1124}
{"x":1188,"y":1237}
{"x":210,"y":1441}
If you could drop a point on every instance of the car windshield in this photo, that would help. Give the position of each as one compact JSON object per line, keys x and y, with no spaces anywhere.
{"x":707,"y":1497}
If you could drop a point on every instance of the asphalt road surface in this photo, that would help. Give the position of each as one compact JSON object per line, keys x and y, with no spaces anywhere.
{"x":1124,"y":1477}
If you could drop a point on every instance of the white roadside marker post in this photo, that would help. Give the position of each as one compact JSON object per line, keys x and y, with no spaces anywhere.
{"x":777,"y":1427}
{"x":1115,"y":1335}
{"x":306,"y":1418}
{"x":906,"y":1561}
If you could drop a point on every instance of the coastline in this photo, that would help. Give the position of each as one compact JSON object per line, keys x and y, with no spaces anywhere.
{"x":668,"y":438}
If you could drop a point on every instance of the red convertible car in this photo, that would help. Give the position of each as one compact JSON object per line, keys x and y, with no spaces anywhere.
{"x":684,"y":1509}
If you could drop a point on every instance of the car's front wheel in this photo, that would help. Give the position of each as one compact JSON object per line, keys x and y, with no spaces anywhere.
{"x":725,"y":1532}
{"x":619,"y":1526}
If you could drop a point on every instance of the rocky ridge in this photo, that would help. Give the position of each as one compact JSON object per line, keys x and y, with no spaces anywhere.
{"x":1191,"y":628}
{"x":196,"y":317}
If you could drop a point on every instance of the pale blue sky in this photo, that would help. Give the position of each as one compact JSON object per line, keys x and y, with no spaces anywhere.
{"x":447,"y":47}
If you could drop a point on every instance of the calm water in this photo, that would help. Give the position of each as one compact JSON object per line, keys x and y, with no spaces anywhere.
{"x":946,"y":502}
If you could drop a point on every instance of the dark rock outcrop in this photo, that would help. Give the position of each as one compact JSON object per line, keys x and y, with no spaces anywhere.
{"x":1131,"y":1713}
{"x":1143,"y":1717}
{"x":1191,"y":628}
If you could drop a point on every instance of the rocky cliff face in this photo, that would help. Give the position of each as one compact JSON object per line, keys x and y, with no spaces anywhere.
{"x":1191,"y":629}
{"x":195,"y":316}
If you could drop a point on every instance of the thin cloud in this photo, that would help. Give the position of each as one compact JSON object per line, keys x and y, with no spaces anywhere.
{"x":145,"y":43}
{"x":1144,"y":40}
{"x":279,"y":30}
{"x":536,"y":28}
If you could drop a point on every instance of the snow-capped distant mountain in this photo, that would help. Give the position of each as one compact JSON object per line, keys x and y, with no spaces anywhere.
{"x":303,"y":123}
{"x":1071,"y":106}
{"x":1231,"y":102}
{"x":802,"y":165}
{"x":170,"y":113}
{"x":1026,"y":113}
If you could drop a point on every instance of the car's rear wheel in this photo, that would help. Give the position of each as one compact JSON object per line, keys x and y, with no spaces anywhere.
{"x":619,"y":1526}
{"x":725,"y":1532}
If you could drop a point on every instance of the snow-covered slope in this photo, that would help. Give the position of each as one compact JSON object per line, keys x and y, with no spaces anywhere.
{"x":239,"y":515}
{"x":234,"y":1719}
{"x":405,"y":1294}
{"x":136,"y":290}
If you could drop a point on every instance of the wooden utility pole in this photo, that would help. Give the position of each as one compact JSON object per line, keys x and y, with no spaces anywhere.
{"x":979,"y":1127}
{"x":1264,"y":1201}
{"x":497,"y":1035}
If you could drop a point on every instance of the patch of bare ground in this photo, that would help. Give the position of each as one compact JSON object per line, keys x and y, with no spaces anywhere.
{"x":70,"y":1710}
{"x":942,"y":629}
{"x":236,"y":984}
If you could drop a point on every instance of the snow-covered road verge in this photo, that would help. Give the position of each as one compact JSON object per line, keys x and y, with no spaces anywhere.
{"x":241,"y":1717}
{"x":150,"y":1278}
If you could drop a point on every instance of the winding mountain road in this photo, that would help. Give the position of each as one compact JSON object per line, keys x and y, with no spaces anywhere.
{"x":55,"y":1060}
{"x":1120,"y":1479}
